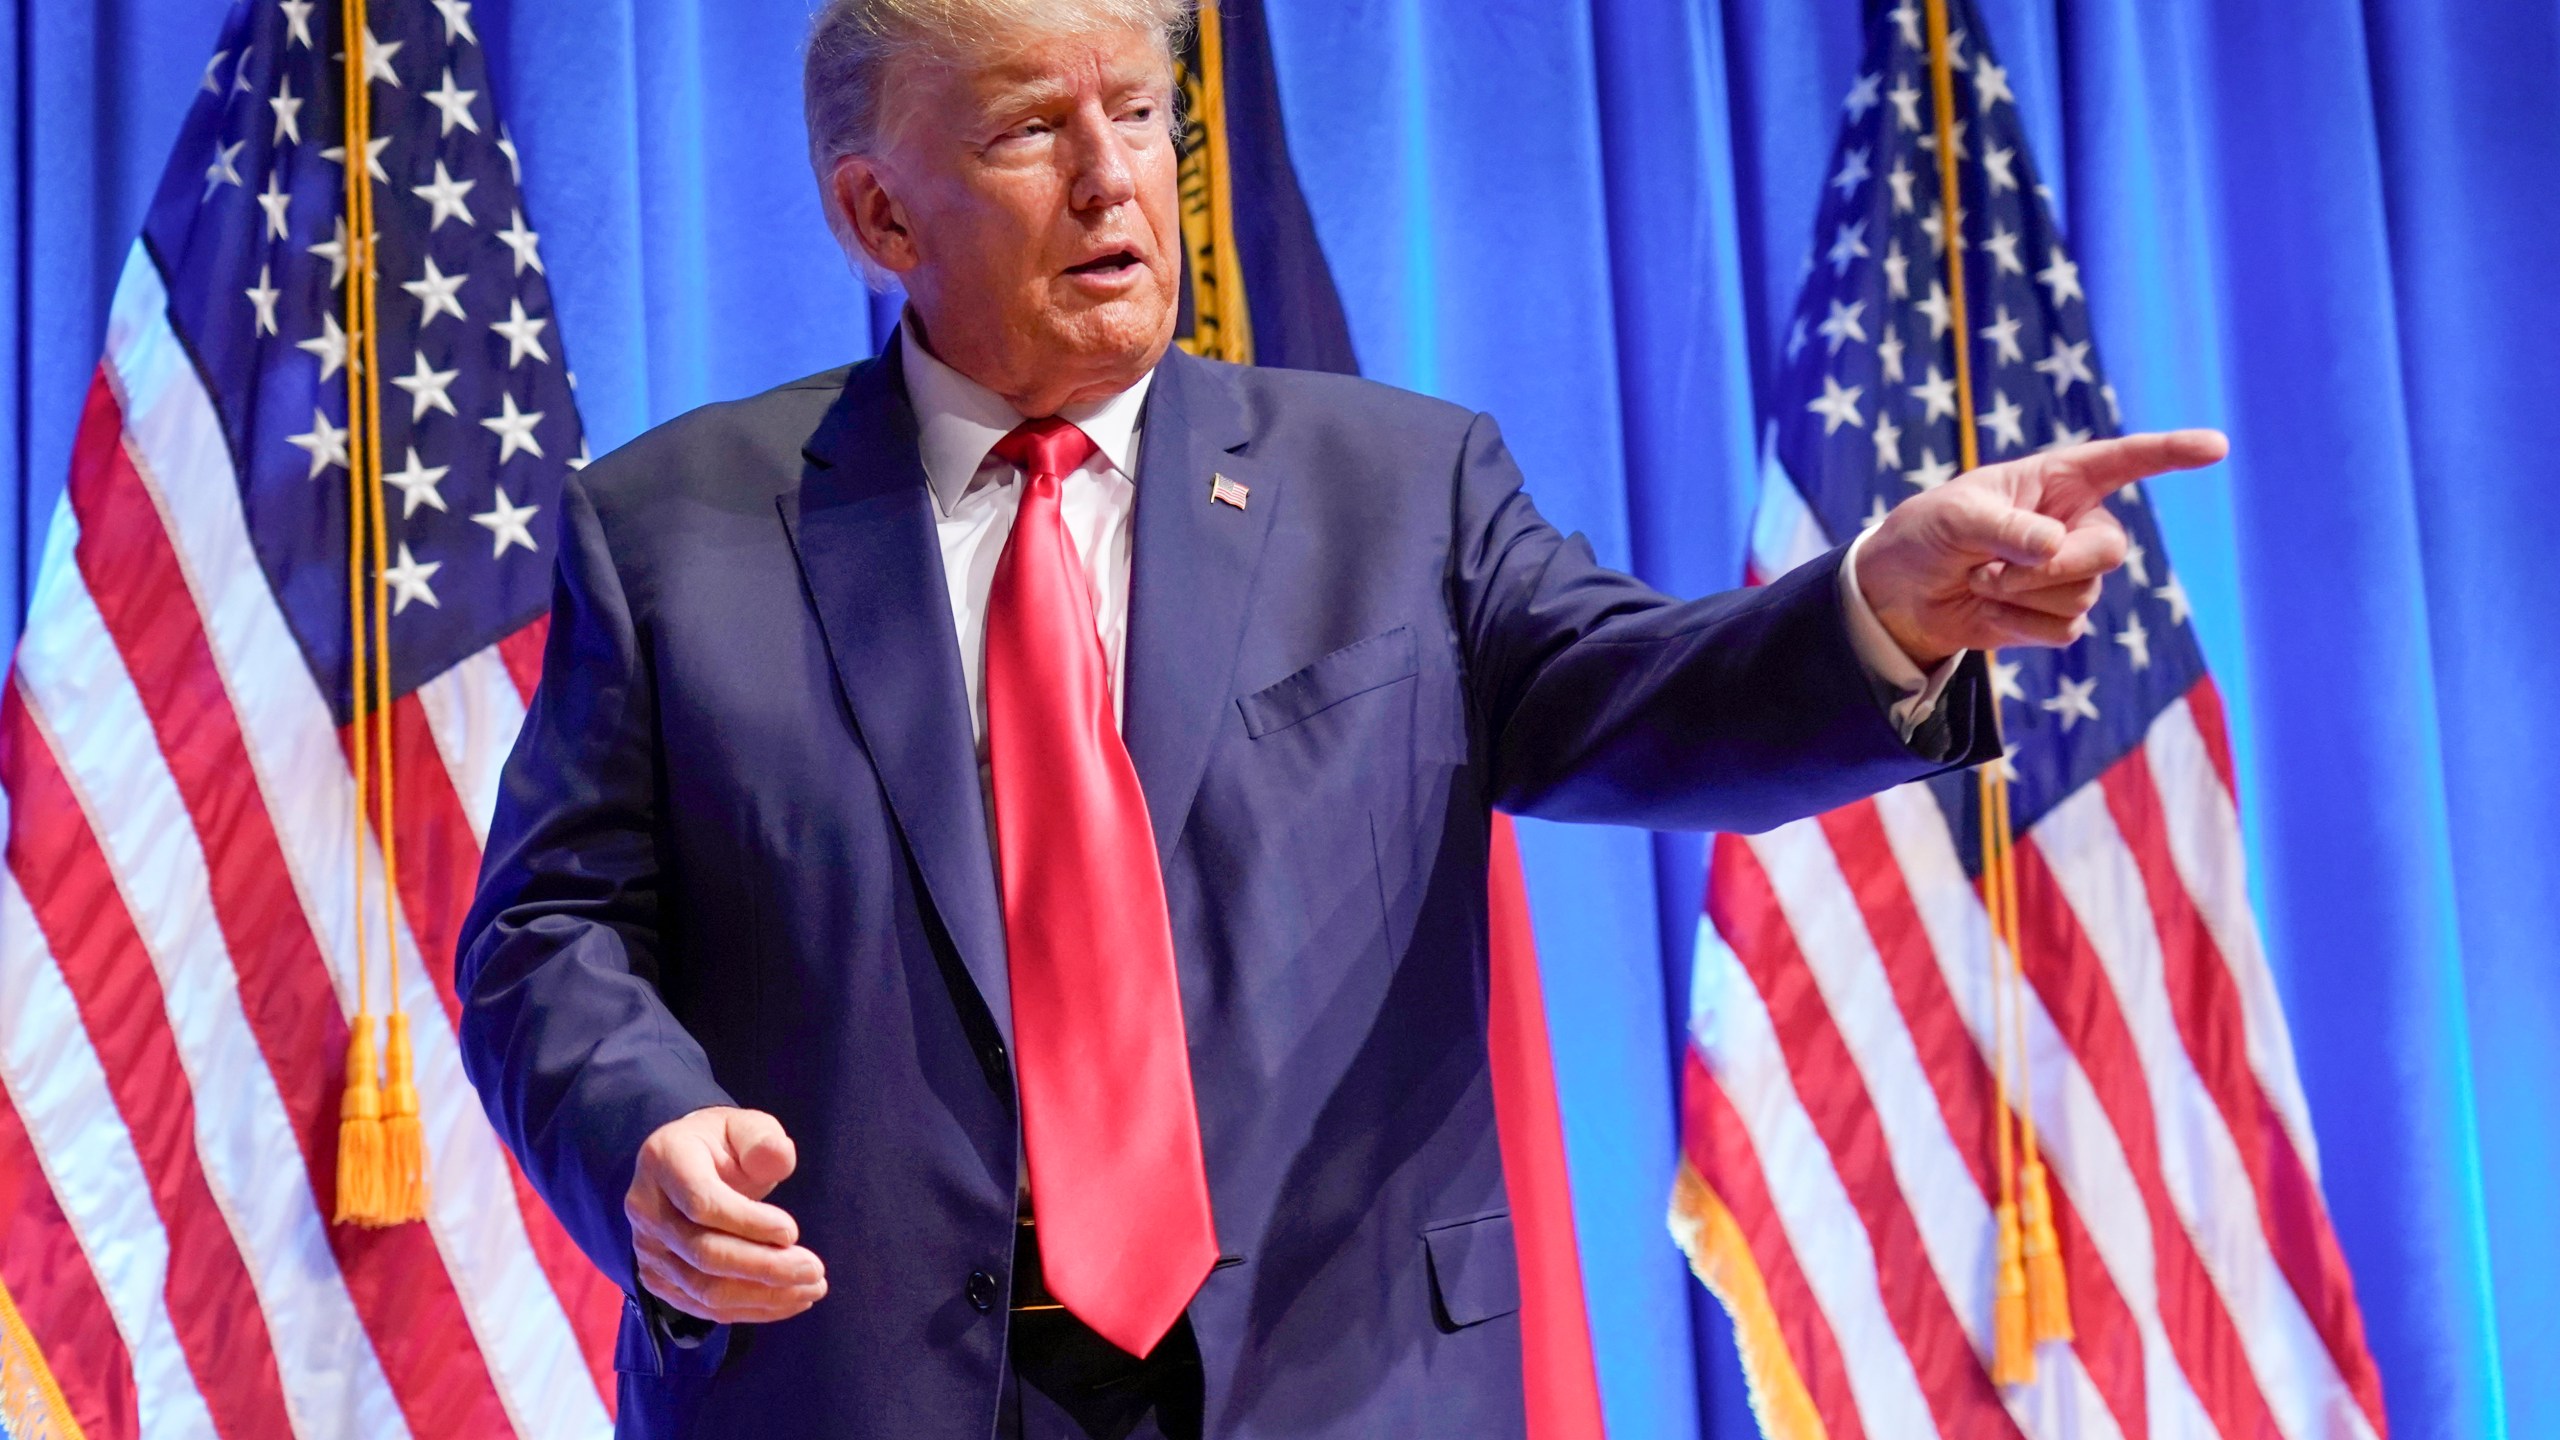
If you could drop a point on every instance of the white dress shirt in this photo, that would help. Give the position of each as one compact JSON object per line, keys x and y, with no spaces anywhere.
{"x":959,"y":421}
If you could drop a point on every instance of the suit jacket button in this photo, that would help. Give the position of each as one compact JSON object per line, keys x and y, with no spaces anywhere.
{"x":981,"y":1291}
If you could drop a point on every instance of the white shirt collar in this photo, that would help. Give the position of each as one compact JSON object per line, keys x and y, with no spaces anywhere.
{"x":958,"y":421}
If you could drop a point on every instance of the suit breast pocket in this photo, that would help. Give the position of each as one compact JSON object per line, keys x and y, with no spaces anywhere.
{"x":1352,"y":671}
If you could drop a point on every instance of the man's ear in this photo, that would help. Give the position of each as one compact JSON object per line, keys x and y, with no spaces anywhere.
{"x":879,"y":222}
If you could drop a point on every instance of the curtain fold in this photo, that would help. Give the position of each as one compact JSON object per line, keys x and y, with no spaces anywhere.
{"x":2327,"y":226}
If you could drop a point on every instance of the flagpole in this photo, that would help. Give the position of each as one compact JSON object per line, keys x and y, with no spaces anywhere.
{"x":2027,"y":1300}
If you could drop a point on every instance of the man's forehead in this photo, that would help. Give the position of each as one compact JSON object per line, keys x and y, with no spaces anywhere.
{"x":1050,"y":64}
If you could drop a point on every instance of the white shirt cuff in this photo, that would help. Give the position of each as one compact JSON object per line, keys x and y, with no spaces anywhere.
{"x":1887,"y":664}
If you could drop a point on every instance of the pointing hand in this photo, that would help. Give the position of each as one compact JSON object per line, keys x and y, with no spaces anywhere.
{"x":2013,"y":553}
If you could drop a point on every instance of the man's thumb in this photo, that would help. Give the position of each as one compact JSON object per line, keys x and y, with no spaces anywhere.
{"x":763,"y":1154}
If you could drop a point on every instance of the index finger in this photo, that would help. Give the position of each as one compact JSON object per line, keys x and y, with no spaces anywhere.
{"x":2091,"y":472}
{"x":693,"y":1185}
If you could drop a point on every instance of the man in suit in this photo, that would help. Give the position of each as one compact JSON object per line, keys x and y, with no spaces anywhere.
{"x":984,"y":931}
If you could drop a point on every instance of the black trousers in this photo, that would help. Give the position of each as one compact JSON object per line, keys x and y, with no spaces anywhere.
{"x":1067,"y":1383}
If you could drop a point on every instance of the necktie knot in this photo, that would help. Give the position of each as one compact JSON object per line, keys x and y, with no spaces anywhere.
{"x":1048,"y":446}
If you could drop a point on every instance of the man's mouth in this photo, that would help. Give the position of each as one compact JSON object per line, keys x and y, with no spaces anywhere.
{"x":1113,"y":263}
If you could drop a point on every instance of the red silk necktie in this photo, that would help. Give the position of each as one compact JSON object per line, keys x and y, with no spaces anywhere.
{"x":1118,"y":1188}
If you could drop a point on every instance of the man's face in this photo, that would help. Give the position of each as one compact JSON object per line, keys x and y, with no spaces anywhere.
{"x":1027,"y":201}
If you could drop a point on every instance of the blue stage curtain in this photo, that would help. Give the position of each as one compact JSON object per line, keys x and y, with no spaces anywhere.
{"x":2328,"y":227}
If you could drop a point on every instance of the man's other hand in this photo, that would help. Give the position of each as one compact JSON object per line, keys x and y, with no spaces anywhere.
{"x":706,"y":1242}
{"x":2014,"y":553}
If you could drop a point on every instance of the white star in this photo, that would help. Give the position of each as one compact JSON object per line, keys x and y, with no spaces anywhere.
{"x":446,"y":194}
{"x":1999,"y":162}
{"x":2136,"y":641}
{"x":525,"y":243}
{"x":1888,"y":438}
{"x":1938,"y":393}
{"x":2004,"y":681}
{"x":1932,"y":472}
{"x":1955,"y":50}
{"x":1906,"y":104}
{"x":581,"y":460}
{"x":2003,"y":247}
{"x":1862,"y":97}
{"x":2174,"y":595}
{"x":297,"y":19}
{"x":1897,"y":272}
{"x":2061,"y":276}
{"x":1935,"y":223}
{"x":1853,"y":172}
{"x":211,"y":85}
{"x":240,"y":81}
{"x":324,"y":442}
{"x":457,"y":20}
{"x":2067,"y":363}
{"x":2064,"y":436}
{"x":1907,"y":17}
{"x":1889,"y":351}
{"x":1837,"y":405}
{"x":373,"y":148}
{"x":438,"y":293}
{"x":453,"y":105}
{"x":408,"y":580}
{"x":1795,"y":340}
{"x":2115,"y":412}
{"x":417,"y":484}
{"x":426,"y":386}
{"x":377,"y":58}
{"x":507,"y":146}
{"x":2137,"y":563}
{"x":1875,"y":515}
{"x":223,"y":171}
{"x":1990,"y":84}
{"x":507,"y":523}
{"x":524,"y":334}
{"x":1900,"y":178}
{"x":263,"y":295}
{"x":330,"y":344}
{"x":1842,"y":324}
{"x":2008,"y":762}
{"x":514,"y":429}
{"x":288,"y":112}
{"x":334,"y":250}
{"x":2003,"y":421}
{"x":275,"y":200}
{"x":2002,"y":332}
{"x":1848,"y":245}
{"x":2073,"y":701}
{"x":1930,"y":142}
{"x":1941,"y":314}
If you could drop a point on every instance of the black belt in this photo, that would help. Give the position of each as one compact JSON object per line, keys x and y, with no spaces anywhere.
{"x":1030,"y":1284}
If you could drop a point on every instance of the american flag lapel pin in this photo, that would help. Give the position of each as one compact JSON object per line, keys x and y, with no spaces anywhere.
{"x":1223,"y":491}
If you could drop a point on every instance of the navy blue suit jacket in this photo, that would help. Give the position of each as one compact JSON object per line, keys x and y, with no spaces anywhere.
{"x":741,"y":857}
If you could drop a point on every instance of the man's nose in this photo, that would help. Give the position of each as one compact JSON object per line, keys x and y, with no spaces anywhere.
{"x":1104,"y":176}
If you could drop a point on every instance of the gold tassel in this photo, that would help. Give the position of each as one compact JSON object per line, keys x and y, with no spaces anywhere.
{"x":2048,"y":1294}
{"x":405,"y":1197}
{"x":360,"y":1138}
{"x":2013,"y":1355}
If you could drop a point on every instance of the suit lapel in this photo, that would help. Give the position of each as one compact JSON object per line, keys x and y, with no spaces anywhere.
{"x":1191,"y":575}
{"x":862,"y":525}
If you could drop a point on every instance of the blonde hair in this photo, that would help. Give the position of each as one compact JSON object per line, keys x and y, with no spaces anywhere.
{"x":853,"y":44}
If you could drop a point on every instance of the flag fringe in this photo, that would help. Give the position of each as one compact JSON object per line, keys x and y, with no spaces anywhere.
{"x":1707,"y":1232}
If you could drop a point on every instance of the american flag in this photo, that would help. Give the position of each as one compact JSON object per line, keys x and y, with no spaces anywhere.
{"x":178,"y":908}
{"x":1838,"y":1185}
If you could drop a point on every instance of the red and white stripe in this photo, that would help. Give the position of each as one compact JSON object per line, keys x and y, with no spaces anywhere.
{"x":1841,"y":1100}
{"x":176,"y":927}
